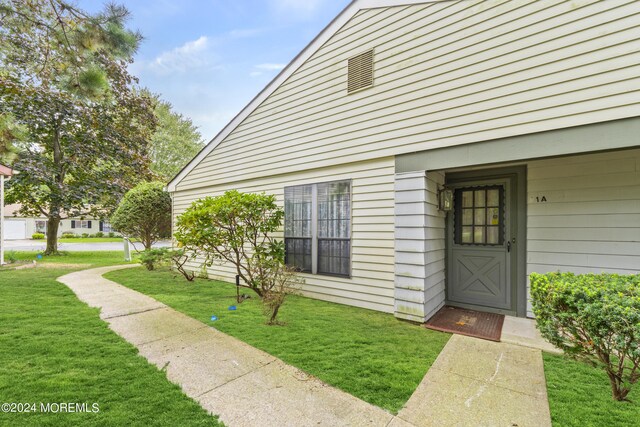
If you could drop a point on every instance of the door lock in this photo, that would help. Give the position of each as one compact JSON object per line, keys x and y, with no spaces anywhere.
{"x":508,"y":246}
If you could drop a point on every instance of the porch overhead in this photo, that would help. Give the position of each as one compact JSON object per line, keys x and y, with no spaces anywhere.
{"x":612,"y":135}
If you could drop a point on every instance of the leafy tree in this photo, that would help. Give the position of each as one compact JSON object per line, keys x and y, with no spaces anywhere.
{"x":594,"y":318}
{"x":175,"y":142}
{"x":237,"y":228}
{"x":10,"y":135}
{"x":144,"y":213}
{"x":64,"y":82}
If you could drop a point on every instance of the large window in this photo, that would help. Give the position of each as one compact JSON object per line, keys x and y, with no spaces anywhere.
{"x":80,"y":224}
{"x":105,"y":227}
{"x":41,"y":227}
{"x":318,"y":228}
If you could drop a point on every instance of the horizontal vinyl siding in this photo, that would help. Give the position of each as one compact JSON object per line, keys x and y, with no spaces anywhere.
{"x":590,"y":222}
{"x":372,"y":282}
{"x":445,"y":73}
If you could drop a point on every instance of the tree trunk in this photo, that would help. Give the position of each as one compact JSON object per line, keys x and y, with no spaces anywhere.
{"x":147,"y":241}
{"x":53,"y":219}
{"x":274,"y":314}
{"x":53,"y":223}
{"x":618,"y":391}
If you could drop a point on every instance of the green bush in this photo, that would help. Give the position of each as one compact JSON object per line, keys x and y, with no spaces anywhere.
{"x":69,"y":235}
{"x":37,"y":236}
{"x":10,"y":257}
{"x":144,"y":213}
{"x":85,"y":235}
{"x":238,"y":228}
{"x":99,"y":234}
{"x":112,"y":234}
{"x":594,"y":318}
{"x":151,"y":258}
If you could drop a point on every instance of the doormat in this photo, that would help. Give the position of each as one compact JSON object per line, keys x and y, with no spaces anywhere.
{"x":472,"y":323}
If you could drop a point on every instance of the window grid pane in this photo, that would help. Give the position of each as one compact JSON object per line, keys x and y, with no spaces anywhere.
{"x":334,"y":256}
{"x":478,"y":216}
{"x":334,"y":210}
{"x":298,"y":253}
{"x":297,"y":208}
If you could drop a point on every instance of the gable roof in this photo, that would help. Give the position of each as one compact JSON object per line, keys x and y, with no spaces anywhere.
{"x":5,"y":170}
{"x":329,"y":31}
{"x":11,"y":210}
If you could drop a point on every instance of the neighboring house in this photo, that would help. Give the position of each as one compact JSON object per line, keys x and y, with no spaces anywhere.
{"x":439,"y":152}
{"x":18,"y":227}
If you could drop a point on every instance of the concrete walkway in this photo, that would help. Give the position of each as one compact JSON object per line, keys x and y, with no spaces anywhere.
{"x":241,"y":384}
{"x":522,"y":331}
{"x":472,"y":383}
{"x":475,"y":382}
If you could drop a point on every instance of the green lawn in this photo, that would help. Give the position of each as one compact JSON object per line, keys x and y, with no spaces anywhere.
{"x":54,"y":348}
{"x":366,"y":353}
{"x":580,"y":395}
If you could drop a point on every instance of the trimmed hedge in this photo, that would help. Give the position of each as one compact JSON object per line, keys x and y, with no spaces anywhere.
{"x":594,"y":318}
{"x":37,"y":236}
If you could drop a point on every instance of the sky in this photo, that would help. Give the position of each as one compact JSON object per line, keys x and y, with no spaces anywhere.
{"x":209,"y":58}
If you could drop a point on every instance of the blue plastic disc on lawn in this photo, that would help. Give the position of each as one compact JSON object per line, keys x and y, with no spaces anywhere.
{"x":39,"y":256}
{"x":233,"y":308}
{"x":214,"y":318}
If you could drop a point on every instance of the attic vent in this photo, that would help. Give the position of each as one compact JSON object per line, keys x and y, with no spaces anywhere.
{"x":360,"y":72}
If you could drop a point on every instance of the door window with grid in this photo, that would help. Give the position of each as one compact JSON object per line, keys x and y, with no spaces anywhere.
{"x":479,"y":216}
{"x":318,"y":228}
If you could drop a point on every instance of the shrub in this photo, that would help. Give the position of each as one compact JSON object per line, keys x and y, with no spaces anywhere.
{"x":11,"y":257}
{"x":144,"y":213}
{"x":593,"y":318}
{"x":238,"y":228}
{"x":285,"y":282}
{"x":68,"y":235}
{"x":112,"y":234}
{"x":99,"y":234}
{"x":179,"y":258}
{"x":37,"y":236}
{"x":85,"y":235}
{"x":152,"y":258}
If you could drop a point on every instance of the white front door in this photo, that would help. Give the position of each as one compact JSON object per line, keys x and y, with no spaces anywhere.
{"x":15,"y":229}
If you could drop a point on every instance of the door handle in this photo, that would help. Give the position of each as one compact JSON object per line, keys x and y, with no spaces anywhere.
{"x":508,"y":245}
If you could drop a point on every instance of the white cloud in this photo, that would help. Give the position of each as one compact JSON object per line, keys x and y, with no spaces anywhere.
{"x":192,"y":54}
{"x":297,"y":8}
{"x":266,"y":68}
{"x":270,"y":67}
